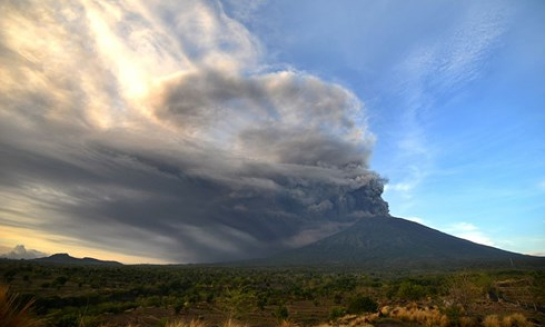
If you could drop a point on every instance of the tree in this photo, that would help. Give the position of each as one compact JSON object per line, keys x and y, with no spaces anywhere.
{"x":236,"y":302}
{"x":281,"y":313}
{"x":411,"y":292}
{"x":361,"y":304}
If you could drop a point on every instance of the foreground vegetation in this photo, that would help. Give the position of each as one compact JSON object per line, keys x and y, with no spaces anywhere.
{"x":67,"y":296}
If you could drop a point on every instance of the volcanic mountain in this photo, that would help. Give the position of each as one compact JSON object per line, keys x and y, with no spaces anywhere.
{"x":395,"y":243}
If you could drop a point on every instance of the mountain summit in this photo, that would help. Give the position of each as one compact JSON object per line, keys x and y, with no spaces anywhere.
{"x":66,"y":259}
{"x":388,"y":242}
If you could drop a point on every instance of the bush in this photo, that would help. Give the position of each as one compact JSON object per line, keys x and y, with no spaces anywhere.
{"x":180,"y":305}
{"x":281,"y":313}
{"x":68,"y":320}
{"x":454,"y":314}
{"x":91,"y":322}
{"x":361,"y":304}
{"x":337,"y":312}
{"x":411,"y":292}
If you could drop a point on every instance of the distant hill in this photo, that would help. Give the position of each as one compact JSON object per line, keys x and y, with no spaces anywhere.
{"x":65,"y":259}
{"x":395,"y":243}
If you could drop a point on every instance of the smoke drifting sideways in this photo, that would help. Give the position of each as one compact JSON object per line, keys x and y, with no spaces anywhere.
{"x":158,"y":130}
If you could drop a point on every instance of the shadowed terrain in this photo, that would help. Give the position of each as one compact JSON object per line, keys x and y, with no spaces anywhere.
{"x":388,"y":242}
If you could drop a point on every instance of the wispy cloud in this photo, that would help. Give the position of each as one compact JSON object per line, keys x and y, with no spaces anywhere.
{"x":419,"y":220}
{"x":469,"y":232}
{"x":436,"y":68}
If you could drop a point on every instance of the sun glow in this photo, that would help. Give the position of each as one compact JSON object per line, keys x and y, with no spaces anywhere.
{"x":51,"y":244}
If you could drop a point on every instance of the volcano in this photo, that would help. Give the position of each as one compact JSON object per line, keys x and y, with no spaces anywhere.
{"x":394,"y":243}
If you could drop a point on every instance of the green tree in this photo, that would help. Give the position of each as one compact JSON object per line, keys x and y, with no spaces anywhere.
{"x":361,"y":304}
{"x":281,"y":313}
{"x":236,"y":302}
{"x":336,"y":312}
{"x":411,"y":292}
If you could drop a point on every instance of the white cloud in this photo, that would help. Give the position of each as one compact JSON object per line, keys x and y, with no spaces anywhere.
{"x":400,"y":187}
{"x":469,"y":232}
{"x":408,"y":185}
{"x":529,"y":244}
{"x":416,"y":220}
{"x":538,"y":254}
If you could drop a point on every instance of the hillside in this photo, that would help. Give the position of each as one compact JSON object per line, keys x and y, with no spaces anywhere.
{"x":65,"y":259}
{"x":388,"y":242}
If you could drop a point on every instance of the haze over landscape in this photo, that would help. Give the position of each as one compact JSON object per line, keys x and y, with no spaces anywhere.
{"x":203,"y":131}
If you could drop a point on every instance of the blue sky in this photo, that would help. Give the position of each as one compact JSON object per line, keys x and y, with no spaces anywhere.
{"x":200,"y":130}
{"x":454,"y":92}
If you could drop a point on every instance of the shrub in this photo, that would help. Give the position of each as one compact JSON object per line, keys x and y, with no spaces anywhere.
{"x":411,"y":292}
{"x":90,"y":322}
{"x":281,"y":313}
{"x":60,"y":281}
{"x":454,"y":314}
{"x":336,"y":312}
{"x":361,"y":304}
{"x":68,"y":320}
{"x":179,"y":305}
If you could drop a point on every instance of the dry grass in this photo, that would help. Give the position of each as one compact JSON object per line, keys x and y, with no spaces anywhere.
{"x":492,"y":321}
{"x":14,"y":314}
{"x":468,"y":322}
{"x":192,"y":323}
{"x":199,"y":323}
{"x":427,"y":316}
{"x":513,"y":320}
{"x":354,"y":323}
{"x":287,"y":323}
{"x":354,"y":320}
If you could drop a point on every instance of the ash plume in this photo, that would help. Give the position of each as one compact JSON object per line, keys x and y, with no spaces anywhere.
{"x":178,"y":145}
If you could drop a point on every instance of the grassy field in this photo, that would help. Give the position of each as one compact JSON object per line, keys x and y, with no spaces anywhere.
{"x":67,"y":296}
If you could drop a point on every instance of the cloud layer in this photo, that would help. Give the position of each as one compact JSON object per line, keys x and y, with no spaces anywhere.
{"x":157,"y":130}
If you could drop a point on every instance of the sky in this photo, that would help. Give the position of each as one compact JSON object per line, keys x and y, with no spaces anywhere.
{"x":198,"y":131}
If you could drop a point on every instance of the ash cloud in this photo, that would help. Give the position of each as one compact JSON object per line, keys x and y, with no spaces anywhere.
{"x":190,"y":152}
{"x":20,"y":252}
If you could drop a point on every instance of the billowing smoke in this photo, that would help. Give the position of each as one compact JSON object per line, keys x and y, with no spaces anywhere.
{"x":20,"y":252}
{"x":159,"y":132}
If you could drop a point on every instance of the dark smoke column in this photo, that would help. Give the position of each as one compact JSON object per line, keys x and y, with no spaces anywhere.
{"x":365,"y":201}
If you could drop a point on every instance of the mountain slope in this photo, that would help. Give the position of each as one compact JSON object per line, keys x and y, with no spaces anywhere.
{"x":65,"y":259}
{"x":388,"y":242}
